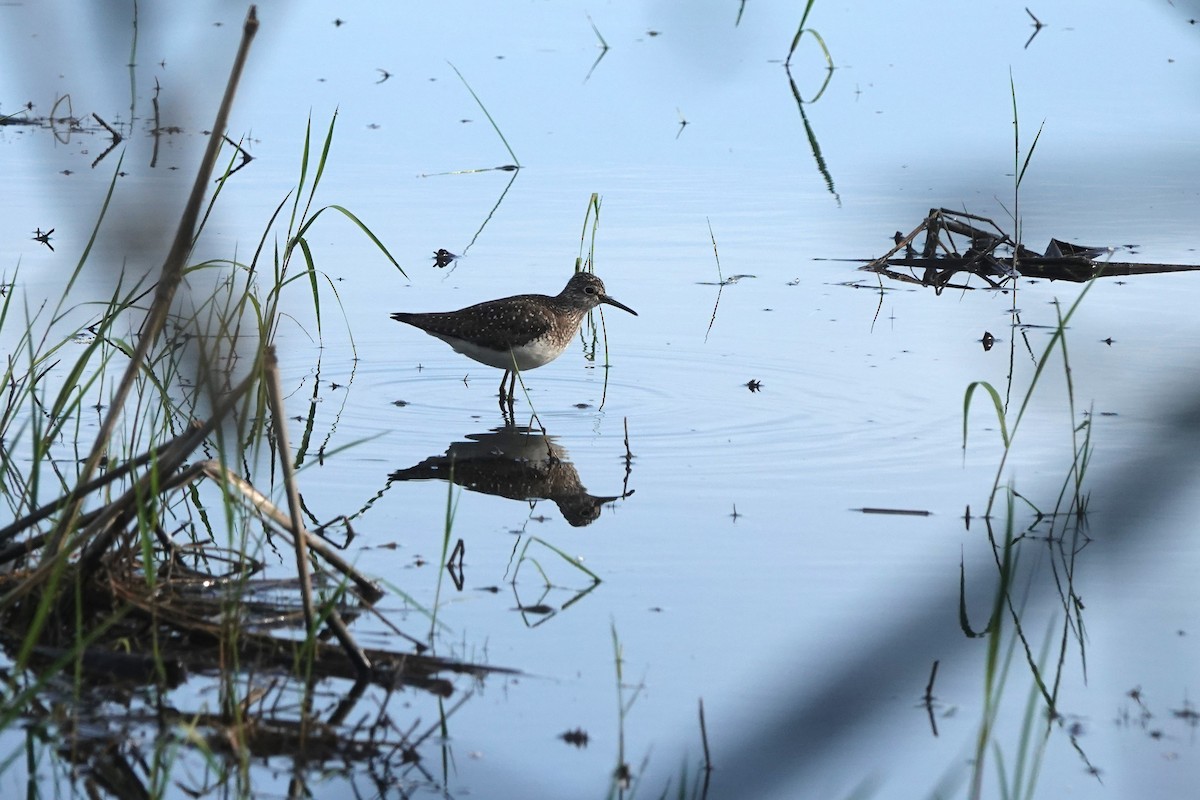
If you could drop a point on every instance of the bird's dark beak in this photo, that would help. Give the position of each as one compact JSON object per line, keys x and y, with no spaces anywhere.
{"x":622,"y":306}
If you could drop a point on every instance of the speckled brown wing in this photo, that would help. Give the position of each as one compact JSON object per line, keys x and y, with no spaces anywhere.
{"x":502,"y":323}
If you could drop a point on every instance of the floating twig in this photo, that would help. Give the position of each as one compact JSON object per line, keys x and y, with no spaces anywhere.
{"x":928,"y":700}
{"x":906,"y":512}
{"x":603,"y":50}
{"x":116,"y":136}
{"x":454,"y":565}
{"x":44,"y":237}
{"x":116,"y":139}
{"x":1037,"y":27}
{"x":246,"y":158}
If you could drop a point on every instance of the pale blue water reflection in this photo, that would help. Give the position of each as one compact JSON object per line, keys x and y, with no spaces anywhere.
{"x":795,"y":597}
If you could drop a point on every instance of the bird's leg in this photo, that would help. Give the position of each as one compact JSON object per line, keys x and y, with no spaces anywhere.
{"x":506,"y":397}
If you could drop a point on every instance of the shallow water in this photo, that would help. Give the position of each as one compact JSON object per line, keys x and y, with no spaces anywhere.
{"x":741,"y":569}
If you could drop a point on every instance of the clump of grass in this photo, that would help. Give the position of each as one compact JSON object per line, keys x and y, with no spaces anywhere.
{"x":137,"y":558}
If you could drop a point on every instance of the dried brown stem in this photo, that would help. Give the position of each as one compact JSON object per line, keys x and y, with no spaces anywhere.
{"x":296,"y":520}
{"x":172,"y":274}
{"x":259,"y":502}
{"x":300,"y":537}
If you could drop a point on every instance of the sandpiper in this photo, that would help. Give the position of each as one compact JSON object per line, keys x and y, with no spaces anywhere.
{"x":524,"y":331}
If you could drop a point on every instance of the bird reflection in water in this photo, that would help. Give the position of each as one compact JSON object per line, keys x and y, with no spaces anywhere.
{"x":516,"y":462}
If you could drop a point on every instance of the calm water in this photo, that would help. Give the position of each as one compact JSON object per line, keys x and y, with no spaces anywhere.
{"x":740,"y":570}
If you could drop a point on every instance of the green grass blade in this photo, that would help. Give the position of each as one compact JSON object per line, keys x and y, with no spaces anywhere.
{"x":482,"y":107}
{"x":370,"y":235}
{"x":997,"y":403}
{"x":311,"y":273}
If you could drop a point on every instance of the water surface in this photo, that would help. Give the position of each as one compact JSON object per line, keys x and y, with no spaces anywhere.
{"x":741,"y":569}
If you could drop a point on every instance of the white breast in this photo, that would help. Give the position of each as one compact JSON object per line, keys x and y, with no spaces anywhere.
{"x":529,"y":356}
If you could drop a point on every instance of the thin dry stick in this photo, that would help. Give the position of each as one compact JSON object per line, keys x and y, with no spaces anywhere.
{"x":116,"y":136}
{"x":355,"y":653}
{"x":256,"y":500}
{"x":296,"y":522}
{"x":301,"y":535}
{"x":172,"y":274}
